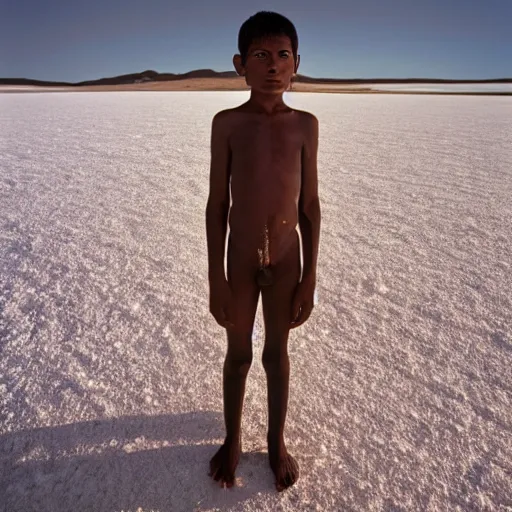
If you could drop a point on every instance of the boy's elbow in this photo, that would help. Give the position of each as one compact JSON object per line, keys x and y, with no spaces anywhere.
{"x":216,"y":208}
{"x":311,"y":210}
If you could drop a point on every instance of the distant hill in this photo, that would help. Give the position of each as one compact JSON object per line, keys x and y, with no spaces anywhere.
{"x":154,"y":76}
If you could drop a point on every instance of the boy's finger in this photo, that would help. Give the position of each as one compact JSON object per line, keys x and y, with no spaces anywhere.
{"x":227,"y":319}
{"x":227,"y":323}
{"x":297,"y":319}
{"x":221,"y":320}
{"x":305,"y":315}
{"x":296,"y":307}
{"x":296,"y":312}
{"x":302,"y":317}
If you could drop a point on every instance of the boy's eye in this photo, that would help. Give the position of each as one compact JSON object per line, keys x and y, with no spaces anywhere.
{"x":262,"y":55}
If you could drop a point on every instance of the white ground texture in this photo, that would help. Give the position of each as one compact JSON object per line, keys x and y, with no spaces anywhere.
{"x":110,"y":368}
{"x":471,"y":87}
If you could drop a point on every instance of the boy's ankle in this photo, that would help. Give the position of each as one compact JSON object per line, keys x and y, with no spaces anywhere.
{"x":233,"y":440}
{"x":276,"y":441}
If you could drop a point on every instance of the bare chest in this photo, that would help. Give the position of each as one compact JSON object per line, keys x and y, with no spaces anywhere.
{"x":266,"y":144}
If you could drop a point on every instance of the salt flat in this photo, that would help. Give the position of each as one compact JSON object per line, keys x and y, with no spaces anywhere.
{"x":110,"y":369}
{"x":454,"y":88}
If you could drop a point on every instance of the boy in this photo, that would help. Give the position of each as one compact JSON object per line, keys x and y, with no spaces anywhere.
{"x":263,"y":157}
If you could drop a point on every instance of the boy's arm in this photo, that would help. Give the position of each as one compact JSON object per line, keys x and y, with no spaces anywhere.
{"x":309,"y":203}
{"x":217,"y":208}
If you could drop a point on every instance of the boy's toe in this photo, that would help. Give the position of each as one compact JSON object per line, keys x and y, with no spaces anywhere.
{"x":230,"y":481}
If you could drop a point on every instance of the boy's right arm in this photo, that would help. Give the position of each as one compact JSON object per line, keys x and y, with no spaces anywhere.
{"x":217,"y":208}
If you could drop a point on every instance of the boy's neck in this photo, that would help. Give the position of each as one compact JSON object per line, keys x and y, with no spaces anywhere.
{"x":267,"y":103}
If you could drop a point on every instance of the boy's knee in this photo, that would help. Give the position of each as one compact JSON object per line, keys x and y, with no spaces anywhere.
{"x":239,"y":364}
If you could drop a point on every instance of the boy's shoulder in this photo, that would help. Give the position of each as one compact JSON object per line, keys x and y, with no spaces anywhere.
{"x":307,"y":123}
{"x":224,"y":121}
{"x":307,"y":120}
{"x":224,"y":115}
{"x":306,"y":116}
{"x":229,"y":118}
{"x":241,"y":109}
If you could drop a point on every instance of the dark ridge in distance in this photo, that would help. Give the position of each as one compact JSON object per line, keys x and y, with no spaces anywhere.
{"x":154,"y":76}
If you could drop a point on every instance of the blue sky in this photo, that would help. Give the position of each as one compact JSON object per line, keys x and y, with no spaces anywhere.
{"x":73,"y":40}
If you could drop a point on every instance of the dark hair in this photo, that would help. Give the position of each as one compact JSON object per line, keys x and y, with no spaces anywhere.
{"x":264,"y":24}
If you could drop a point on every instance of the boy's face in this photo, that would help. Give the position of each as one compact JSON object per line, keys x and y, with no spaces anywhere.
{"x":269,"y":65}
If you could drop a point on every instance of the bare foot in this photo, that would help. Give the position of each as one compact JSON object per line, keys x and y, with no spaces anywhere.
{"x":224,"y":463}
{"x":284,"y":466}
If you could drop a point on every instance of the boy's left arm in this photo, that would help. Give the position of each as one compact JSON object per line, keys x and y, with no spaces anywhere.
{"x":309,"y":223}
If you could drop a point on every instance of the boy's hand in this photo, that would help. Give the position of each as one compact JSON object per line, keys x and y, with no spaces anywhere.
{"x":221,"y":303}
{"x":303,"y":302}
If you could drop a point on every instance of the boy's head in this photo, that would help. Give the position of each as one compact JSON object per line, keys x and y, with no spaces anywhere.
{"x":268,"y":57}
{"x":262,"y":25}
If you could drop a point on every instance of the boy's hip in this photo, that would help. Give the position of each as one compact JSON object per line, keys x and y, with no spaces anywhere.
{"x":283,"y":252}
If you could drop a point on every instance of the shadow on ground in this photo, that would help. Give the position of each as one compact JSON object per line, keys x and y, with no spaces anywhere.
{"x":106,"y":466}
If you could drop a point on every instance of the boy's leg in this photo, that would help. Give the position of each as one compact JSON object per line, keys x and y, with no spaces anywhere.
{"x":277,"y":310}
{"x":236,"y":366}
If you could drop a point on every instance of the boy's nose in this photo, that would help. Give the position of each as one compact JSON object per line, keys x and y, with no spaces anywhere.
{"x":272,"y":66}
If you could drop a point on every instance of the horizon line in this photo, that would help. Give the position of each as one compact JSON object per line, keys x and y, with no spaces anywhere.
{"x":381,"y":79}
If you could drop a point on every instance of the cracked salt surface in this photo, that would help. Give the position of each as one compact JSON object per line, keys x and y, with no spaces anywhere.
{"x":110,"y":375}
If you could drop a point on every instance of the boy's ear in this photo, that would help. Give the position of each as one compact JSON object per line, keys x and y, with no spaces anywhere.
{"x":297,"y":64}
{"x":237,"y":62}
